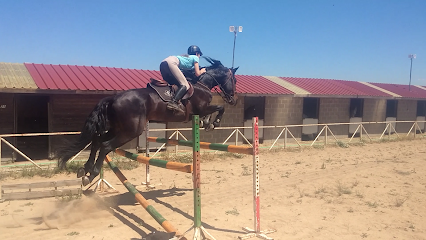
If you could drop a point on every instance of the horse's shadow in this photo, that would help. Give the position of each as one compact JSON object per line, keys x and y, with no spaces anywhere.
{"x":128,"y":198}
{"x":154,"y":196}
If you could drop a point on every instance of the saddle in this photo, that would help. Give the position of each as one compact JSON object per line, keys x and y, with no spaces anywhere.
{"x":167,"y":91}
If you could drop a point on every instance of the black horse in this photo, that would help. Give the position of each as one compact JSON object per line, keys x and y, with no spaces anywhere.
{"x":120,"y":118}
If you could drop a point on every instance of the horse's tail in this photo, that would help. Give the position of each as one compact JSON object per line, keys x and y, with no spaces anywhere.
{"x":96,"y":125}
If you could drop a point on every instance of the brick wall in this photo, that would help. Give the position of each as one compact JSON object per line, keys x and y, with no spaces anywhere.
{"x":374,"y":111}
{"x":279,"y":111}
{"x":406,"y":111}
{"x":335,"y":110}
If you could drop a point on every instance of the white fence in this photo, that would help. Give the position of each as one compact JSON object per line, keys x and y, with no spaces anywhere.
{"x":284,"y":134}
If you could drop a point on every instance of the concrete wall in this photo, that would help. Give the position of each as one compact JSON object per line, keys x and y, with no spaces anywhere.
{"x":406,"y":111}
{"x":374,"y":111}
{"x":282,"y":110}
{"x":233,"y":116}
{"x":335,"y":110}
{"x":68,"y":113}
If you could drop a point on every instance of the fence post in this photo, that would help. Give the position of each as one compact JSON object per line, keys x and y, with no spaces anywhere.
{"x":1,"y":200}
{"x":177,"y":139}
{"x":147,"y":153}
{"x":285,"y":138}
{"x":389,"y":130}
{"x":415,"y":129}
{"x":326,"y":135}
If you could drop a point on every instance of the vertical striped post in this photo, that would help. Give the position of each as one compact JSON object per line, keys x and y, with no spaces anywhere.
{"x":256,"y":202}
{"x":199,"y":231}
{"x":256,"y":232}
{"x":196,"y":170}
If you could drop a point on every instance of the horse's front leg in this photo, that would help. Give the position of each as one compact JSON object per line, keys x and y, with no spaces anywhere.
{"x":208,"y":111}
{"x":205,"y":121}
{"x":218,"y":119}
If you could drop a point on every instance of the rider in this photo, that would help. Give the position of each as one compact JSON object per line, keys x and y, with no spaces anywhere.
{"x":171,"y":68}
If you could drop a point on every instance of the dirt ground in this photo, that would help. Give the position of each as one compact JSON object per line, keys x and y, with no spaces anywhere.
{"x":375,"y":191}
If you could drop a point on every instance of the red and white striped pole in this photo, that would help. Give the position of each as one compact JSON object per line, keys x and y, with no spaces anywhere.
{"x":256,"y":190}
{"x":256,"y":232}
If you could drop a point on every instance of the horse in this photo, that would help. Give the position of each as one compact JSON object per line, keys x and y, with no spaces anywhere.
{"x":118,"y":119}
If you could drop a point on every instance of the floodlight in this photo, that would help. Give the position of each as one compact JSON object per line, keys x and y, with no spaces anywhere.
{"x":234,"y":30}
{"x":411,"y":57}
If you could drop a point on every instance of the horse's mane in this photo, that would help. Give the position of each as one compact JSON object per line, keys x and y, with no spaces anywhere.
{"x":216,"y":65}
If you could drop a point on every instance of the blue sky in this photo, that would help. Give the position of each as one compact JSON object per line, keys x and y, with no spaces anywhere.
{"x":361,"y":40}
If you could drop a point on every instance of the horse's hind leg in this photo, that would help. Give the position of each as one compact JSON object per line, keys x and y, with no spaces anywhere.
{"x":89,"y":165}
{"x":105,"y":148}
{"x":91,"y":161}
{"x":95,"y":169}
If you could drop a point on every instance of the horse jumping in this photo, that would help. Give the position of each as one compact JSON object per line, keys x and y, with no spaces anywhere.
{"x":118,"y":119}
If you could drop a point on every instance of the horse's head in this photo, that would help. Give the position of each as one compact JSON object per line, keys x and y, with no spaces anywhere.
{"x":223,"y":77}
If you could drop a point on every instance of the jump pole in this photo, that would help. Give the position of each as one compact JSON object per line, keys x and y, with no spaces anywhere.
{"x":141,"y":200}
{"x":176,"y":166}
{"x":255,"y":232}
{"x":205,"y":145}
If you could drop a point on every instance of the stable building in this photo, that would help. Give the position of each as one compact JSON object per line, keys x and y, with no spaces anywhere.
{"x":45,"y":98}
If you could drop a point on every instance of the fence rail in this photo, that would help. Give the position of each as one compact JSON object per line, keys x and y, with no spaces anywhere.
{"x":284,"y":133}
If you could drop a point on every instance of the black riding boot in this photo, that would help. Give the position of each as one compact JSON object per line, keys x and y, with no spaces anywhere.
{"x":174,"y":105}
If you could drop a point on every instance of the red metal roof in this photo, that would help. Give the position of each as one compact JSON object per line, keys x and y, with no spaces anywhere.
{"x":334,"y":87}
{"x":90,"y":78}
{"x":259,"y":85}
{"x":403,"y":90}
{"x":71,"y":77}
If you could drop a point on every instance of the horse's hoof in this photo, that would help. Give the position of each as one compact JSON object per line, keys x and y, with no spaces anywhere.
{"x":216,"y":123}
{"x":201,"y":124}
{"x":85,"y":180}
{"x":209,"y":127}
{"x":81,"y":172}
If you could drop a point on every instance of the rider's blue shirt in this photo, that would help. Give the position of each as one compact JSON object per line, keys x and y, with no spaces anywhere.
{"x":187,"y":62}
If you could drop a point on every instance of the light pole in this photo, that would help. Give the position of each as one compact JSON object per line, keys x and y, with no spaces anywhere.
{"x":411,"y":57}
{"x":234,"y":29}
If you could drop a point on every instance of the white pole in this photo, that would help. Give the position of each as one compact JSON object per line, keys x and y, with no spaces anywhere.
{"x":147,"y":153}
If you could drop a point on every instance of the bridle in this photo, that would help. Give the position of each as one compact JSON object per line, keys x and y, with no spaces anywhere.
{"x":225,"y":96}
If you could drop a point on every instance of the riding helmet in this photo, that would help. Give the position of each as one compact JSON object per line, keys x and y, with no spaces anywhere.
{"x":193,"y":49}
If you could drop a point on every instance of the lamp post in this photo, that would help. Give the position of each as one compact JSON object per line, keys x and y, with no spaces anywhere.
{"x":234,"y":29}
{"x":411,"y":57}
